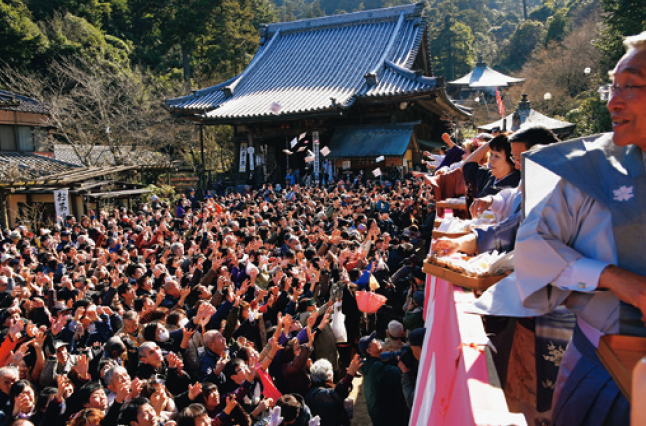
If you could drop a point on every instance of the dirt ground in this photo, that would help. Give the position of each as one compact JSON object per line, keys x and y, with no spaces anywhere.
{"x":361,"y":417}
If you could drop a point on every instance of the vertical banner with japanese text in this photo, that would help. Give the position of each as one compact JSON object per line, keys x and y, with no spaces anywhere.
{"x":317,"y":161}
{"x":243,"y":157}
{"x":62,"y":203}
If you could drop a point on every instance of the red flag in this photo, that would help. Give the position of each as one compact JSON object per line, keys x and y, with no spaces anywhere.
{"x":269,"y":389}
{"x":501,"y":105}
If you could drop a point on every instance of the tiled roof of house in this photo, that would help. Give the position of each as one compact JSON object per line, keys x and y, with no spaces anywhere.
{"x":13,"y":102}
{"x":99,"y":155}
{"x":30,"y":165}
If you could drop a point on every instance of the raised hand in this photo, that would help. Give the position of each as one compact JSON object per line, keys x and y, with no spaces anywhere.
{"x":82,"y":367}
{"x":266,"y":404}
{"x":135,"y":387}
{"x":444,"y":246}
{"x":355,"y":365}
{"x":310,"y":336}
{"x":276,"y":419}
{"x":231,"y":403}
{"x":15,"y":328}
{"x":160,"y":297}
{"x":326,"y":318}
{"x":63,"y":382}
{"x":311,"y":320}
{"x":172,"y":359}
{"x":159,"y":399}
{"x":16,"y":357}
{"x":39,"y":341}
{"x":194,"y":391}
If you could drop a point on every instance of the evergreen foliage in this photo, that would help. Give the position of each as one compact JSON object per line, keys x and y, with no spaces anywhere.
{"x":188,"y":44}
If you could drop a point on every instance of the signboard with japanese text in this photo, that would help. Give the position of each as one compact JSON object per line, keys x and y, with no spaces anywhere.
{"x":243,"y":157}
{"x":251,"y":151}
{"x":62,"y":203}
{"x":317,"y":160}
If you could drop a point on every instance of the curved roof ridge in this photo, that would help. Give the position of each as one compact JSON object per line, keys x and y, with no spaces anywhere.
{"x":417,"y":76}
{"x":395,"y":34}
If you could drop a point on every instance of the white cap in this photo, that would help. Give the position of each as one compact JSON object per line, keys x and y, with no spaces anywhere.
{"x":396,"y":329}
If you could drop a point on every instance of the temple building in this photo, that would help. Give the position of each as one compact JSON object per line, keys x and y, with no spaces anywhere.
{"x":526,"y":116}
{"x":338,"y":79}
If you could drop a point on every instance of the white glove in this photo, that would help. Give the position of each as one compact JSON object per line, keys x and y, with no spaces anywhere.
{"x":275,"y":417}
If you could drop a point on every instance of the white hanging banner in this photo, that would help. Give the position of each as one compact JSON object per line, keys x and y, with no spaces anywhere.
{"x":243,"y":157}
{"x":62,"y":203}
{"x":251,"y":151}
{"x":317,"y":159}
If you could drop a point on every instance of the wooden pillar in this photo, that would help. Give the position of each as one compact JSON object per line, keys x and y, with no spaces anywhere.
{"x":4,"y":221}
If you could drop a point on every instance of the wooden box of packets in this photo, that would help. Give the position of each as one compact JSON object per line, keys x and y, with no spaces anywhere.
{"x":460,"y":279}
{"x":452,"y":206}
{"x":439,"y":234}
{"x":619,"y":354}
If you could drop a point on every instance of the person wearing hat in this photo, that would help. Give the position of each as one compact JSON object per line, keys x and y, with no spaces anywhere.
{"x":394,"y":336}
{"x":382,"y":386}
{"x":60,"y":362}
{"x":409,"y":373}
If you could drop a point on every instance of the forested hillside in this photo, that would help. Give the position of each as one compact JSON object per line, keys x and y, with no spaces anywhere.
{"x":164,"y":48}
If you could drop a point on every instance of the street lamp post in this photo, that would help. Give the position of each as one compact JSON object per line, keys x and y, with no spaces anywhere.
{"x":547,"y":97}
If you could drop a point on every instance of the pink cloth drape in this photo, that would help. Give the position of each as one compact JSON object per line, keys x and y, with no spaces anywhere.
{"x":453,"y":381}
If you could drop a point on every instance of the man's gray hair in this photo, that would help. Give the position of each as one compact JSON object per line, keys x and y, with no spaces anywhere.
{"x":321,"y":371}
{"x":7,"y":370}
{"x":175,"y":247}
{"x":109,"y":375}
{"x":636,"y":42}
{"x":147,"y":346}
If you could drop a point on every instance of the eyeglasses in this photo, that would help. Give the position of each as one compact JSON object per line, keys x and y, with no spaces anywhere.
{"x":627,"y":90}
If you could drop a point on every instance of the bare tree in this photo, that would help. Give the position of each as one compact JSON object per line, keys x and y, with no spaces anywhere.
{"x":560,"y":69}
{"x":107,"y":113}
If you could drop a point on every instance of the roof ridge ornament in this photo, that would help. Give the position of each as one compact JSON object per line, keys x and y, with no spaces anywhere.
{"x":371,"y":79}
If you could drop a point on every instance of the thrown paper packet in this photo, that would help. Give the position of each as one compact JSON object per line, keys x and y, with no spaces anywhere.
{"x":287,"y":151}
{"x":325,"y":151}
{"x":275,"y":107}
{"x":309,"y":158}
{"x":293,"y":142}
{"x":376,"y":172}
{"x":380,"y":158}
{"x":301,"y":136}
{"x":301,"y":149}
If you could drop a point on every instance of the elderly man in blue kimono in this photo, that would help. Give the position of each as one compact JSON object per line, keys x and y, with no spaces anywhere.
{"x":583,"y":245}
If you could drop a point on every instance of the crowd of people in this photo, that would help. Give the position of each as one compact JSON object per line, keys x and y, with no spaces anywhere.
{"x":217,"y":311}
{"x":241,"y":309}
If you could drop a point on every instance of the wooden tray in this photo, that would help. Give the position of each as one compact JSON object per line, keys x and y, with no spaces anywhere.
{"x":440,"y":234}
{"x":619,"y":355}
{"x":452,"y":206}
{"x":473,"y":283}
